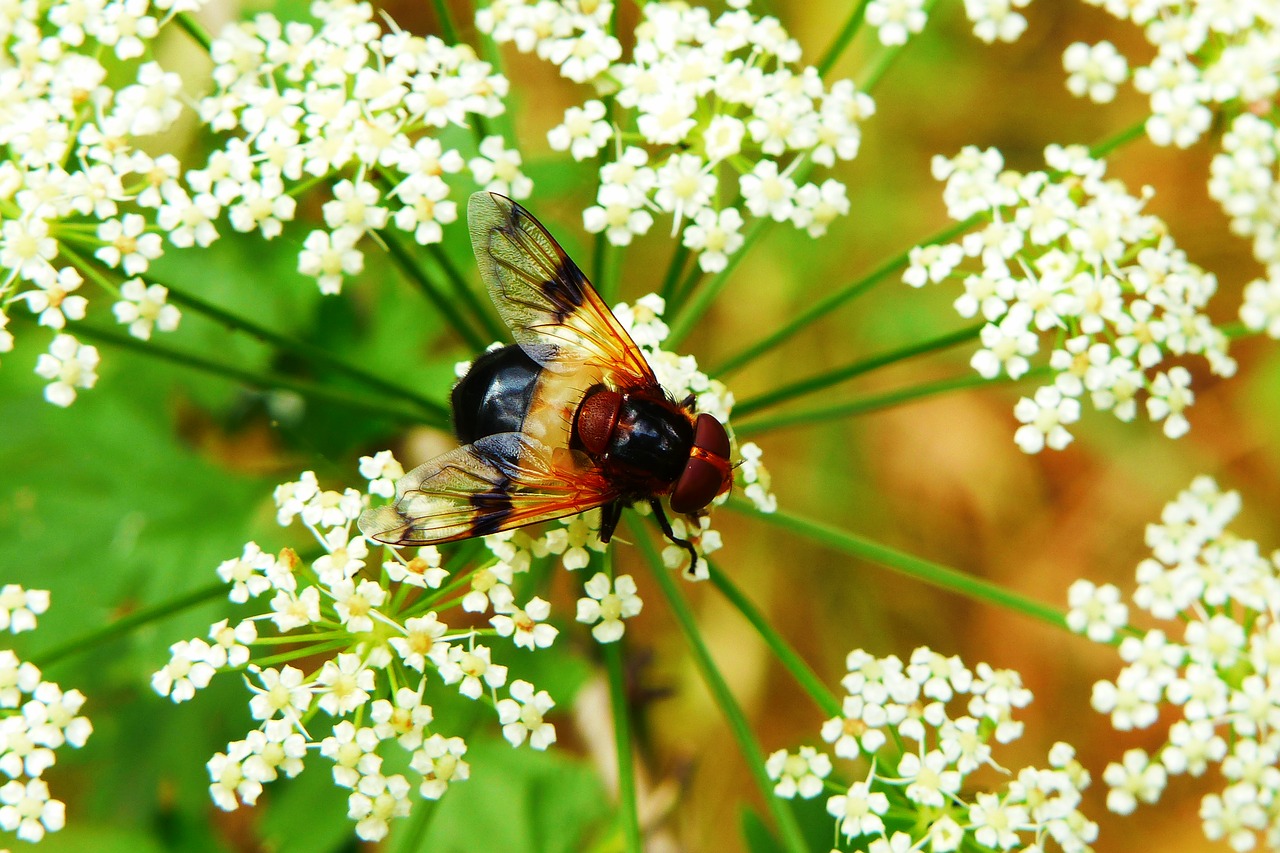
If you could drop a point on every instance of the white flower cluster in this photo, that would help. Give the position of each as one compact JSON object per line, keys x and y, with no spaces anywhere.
{"x":1213,"y":664}
{"x":993,"y":20}
{"x":37,"y":718}
{"x":354,"y":685}
{"x":903,"y":716}
{"x":679,"y":374}
{"x":1209,"y":56}
{"x":73,"y":175}
{"x":1243,"y":181}
{"x":1071,"y":254}
{"x":341,"y":99}
{"x":702,"y":103}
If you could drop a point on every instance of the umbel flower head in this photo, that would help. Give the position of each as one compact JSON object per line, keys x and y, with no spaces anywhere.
{"x":362,"y":664}
{"x":703,"y":107}
{"x":1207,"y":674}
{"x":1070,"y":256}
{"x":921,"y":730}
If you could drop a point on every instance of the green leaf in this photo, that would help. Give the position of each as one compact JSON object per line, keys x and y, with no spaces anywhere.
{"x":518,"y":799}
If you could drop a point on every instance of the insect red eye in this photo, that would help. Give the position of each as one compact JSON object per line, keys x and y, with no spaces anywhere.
{"x":697,"y":486}
{"x":707,"y":472}
{"x":709,"y":435}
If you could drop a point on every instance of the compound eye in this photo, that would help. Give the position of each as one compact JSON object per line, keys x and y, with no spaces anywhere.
{"x":709,"y":434}
{"x":697,"y":486}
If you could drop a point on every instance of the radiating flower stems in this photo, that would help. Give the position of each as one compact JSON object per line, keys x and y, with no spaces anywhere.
{"x":843,"y":38}
{"x":875,"y":402}
{"x":927,"y":571}
{"x":404,"y":260}
{"x":786,"y":655}
{"x":122,"y":626}
{"x":490,"y":324}
{"x":849,"y":371}
{"x":309,"y":390}
{"x":630,"y":814}
{"x":792,"y":839}
{"x":893,"y":265}
{"x":435,"y":411}
{"x":692,"y":311}
{"x":829,"y":303}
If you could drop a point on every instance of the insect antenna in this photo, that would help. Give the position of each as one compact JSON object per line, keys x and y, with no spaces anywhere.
{"x":656,"y":506}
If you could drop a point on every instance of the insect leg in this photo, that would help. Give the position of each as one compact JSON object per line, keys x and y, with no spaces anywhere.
{"x":609,"y":515}
{"x":670,"y":534}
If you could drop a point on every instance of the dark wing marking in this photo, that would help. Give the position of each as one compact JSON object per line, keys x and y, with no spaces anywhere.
{"x":500,"y":482}
{"x":551,"y":308}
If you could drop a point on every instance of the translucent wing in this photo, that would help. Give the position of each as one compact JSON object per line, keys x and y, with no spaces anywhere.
{"x":555,"y":314}
{"x":500,"y":482}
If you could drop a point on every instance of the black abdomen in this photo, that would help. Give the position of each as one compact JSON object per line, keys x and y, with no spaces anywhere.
{"x":495,"y":394}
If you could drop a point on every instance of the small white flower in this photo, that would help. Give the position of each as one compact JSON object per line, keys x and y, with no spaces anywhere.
{"x":27,"y":810}
{"x":527,"y":627}
{"x":19,"y":607}
{"x":609,"y":603}
{"x":142,"y":308}
{"x":584,"y":131}
{"x":1096,"y":611}
{"x":343,"y":685}
{"x":858,"y":811}
{"x":799,"y":773}
{"x":439,"y":760}
{"x":1044,"y":420}
{"x":522,"y":715}
{"x":68,"y":365}
{"x":328,"y":257}
{"x":1094,"y":70}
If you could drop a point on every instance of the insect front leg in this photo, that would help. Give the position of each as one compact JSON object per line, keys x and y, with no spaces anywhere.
{"x":609,"y":516}
{"x":656,"y":506}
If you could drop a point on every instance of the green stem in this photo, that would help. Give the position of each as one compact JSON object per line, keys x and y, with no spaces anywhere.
{"x":792,"y":838}
{"x":1101,"y":149}
{"x":410,"y":839}
{"x":622,"y":747}
{"x":842,"y":39}
{"x":787,"y":656}
{"x":120,"y":627}
{"x":437,"y":414}
{"x":866,"y":365}
{"x":488,"y":322}
{"x":306,"y":389}
{"x":195,"y":30}
{"x":680,"y":292}
{"x":887,"y":56}
{"x":405,"y":261}
{"x":604,"y":265}
{"x":679,"y":258}
{"x":826,"y":305}
{"x":692,"y":311}
{"x":873,"y":403}
{"x":445,"y":19}
{"x":935,"y":574}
